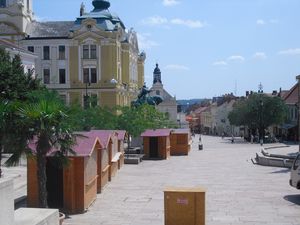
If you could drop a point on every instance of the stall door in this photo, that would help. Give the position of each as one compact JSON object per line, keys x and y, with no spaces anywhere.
{"x":153,"y":147}
{"x":54,"y":184}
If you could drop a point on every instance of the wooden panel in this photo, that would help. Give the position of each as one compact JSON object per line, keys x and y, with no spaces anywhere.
{"x":79,"y":184}
{"x":184,"y":206}
{"x":121,"y":161}
{"x":32,"y":183}
{"x":69,"y":187}
{"x":146,"y":146}
{"x":114,"y":169}
{"x":104,"y":176}
{"x":180,"y":144}
{"x":90,"y":174}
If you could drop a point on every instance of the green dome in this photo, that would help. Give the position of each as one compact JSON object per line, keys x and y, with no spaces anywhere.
{"x":100,"y":5}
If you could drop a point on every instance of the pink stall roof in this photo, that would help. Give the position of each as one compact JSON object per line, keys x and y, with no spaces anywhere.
{"x":156,"y":133}
{"x":84,"y":146}
{"x":103,"y":135}
{"x":180,"y":131}
{"x":121,"y":134}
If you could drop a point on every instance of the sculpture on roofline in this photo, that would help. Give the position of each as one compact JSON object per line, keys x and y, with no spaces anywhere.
{"x":144,"y":98}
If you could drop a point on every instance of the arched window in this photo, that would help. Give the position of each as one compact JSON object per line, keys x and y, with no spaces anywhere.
{"x":2,"y":3}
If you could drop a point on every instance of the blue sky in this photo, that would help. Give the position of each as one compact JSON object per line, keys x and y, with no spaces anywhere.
{"x":207,"y":48}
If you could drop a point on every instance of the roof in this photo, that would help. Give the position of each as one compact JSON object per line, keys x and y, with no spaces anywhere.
{"x":13,"y":46}
{"x":103,"y":135}
{"x":104,"y":18}
{"x":84,"y":146}
{"x":200,"y":110}
{"x":49,"y":29}
{"x":180,"y":131}
{"x":291,"y":98}
{"x":157,"y":133}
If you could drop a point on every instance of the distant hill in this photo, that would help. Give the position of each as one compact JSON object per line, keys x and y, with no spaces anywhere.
{"x":190,"y":101}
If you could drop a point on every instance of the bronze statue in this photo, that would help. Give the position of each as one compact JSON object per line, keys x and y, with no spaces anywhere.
{"x":144,"y":98}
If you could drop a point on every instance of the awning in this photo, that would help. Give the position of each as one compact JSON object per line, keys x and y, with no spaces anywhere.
{"x":287,"y":126}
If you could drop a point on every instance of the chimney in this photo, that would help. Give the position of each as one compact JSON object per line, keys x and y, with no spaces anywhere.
{"x":247,"y":93}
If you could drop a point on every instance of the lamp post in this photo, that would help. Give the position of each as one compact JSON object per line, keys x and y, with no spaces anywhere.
{"x":298,"y":79}
{"x":261,"y":105}
{"x":86,"y":97}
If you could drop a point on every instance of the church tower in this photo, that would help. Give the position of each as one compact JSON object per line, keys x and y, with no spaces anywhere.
{"x":156,"y":75}
{"x":16,"y":15}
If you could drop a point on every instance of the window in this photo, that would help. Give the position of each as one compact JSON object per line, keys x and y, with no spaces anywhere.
{"x":46,"y":52}
{"x":93,"y":75}
{"x":157,"y":92}
{"x":86,"y":52}
{"x":89,"y":51}
{"x":93,"y":52}
{"x":62,"y":76}
{"x":90,"y":100}
{"x":2,"y":3}
{"x":90,"y":75}
{"x":30,"y":48}
{"x":86,"y":76}
{"x":61,"y":52}
{"x":46,"y":76}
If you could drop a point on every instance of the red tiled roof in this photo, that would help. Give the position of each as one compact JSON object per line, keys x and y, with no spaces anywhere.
{"x":156,"y":133}
{"x":121,"y":134}
{"x":291,"y":98}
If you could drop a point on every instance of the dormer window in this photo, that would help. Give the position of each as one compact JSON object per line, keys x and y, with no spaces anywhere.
{"x":2,"y":3}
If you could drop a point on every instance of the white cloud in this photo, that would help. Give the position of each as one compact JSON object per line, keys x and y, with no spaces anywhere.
{"x":155,"y":20}
{"x":291,"y":51}
{"x":162,"y":21}
{"x":260,"y":22}
{"x":236,"y":58}
{"x":220,"y":63}
{"x":170,"y":2}
{"x":145,"y":42}
{"x":176,"y":67}
{"x":260,"y":55}
{"x":188,"y":23}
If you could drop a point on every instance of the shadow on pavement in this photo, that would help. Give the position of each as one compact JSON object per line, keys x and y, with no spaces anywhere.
{"x":293,"y":199}
{"x":281,"y":171}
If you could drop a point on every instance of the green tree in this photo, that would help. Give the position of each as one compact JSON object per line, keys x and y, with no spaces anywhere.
{"x":136,"y":120}
{"x":14,"y":86}
{"x":258,"y":112}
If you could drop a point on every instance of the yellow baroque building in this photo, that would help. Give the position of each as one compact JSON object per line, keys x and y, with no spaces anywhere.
{"x":94,"y":56}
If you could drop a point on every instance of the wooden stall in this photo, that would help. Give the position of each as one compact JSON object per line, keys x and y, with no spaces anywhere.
{"x":107,"y":139}
{"x":180,"y":142}
{"x":71,"y":188}
{"x":157,"y":143}
{"x":122,"y":135}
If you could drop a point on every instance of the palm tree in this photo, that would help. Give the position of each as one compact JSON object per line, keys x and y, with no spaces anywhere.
{"x":46,"y":125}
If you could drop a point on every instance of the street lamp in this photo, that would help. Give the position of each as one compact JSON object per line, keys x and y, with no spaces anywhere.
{"x":86,"y":97}
{"x":261,"y":105}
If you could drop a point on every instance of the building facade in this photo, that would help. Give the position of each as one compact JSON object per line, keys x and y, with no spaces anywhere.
{"x":169,"y":104}
{"x":91,"y":60}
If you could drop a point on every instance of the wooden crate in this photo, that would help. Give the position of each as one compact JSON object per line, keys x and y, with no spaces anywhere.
{"x":184,"y":206}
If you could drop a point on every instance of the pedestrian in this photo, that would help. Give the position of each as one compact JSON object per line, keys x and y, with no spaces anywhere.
{"x":200,"y":138}
{"x":223,"y":135}
{"x":232,"y":139}
{"x":251,"y":138}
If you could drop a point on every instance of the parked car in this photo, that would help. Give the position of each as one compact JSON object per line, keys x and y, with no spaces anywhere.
{"x":295,"y":173}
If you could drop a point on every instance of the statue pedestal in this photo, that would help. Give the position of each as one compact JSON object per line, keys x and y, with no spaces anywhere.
{"x":7,"y":202}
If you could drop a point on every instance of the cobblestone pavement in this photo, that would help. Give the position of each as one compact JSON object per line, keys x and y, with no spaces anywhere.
{"x":238,"y":192}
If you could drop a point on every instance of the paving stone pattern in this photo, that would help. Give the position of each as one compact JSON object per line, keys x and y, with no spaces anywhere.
{"x":238,"y":192}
